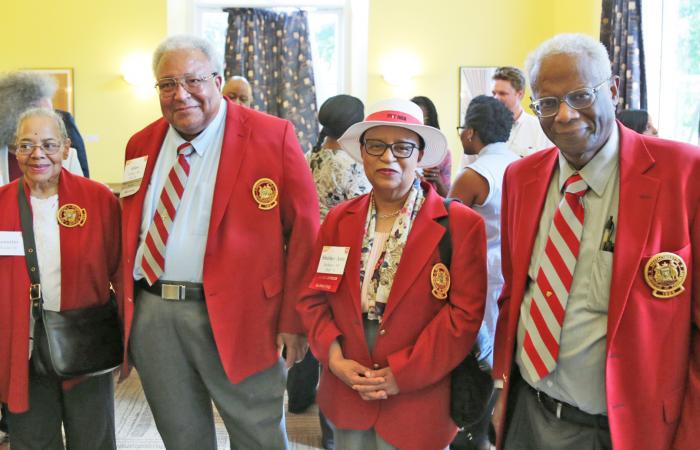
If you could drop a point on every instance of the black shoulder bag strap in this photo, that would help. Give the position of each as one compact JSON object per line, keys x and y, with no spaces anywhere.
{"x":445,"y":246}
{"x":25,"y":216}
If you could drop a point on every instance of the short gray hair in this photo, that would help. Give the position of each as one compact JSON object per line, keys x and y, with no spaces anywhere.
{"x":43,"y":112}
{"x":20,"y":91}
{"x":574,"y":44}
{"x":187,"y":42}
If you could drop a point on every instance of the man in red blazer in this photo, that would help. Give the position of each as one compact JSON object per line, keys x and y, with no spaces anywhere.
{"x":597,"y":344}
{"x":219,"y":221}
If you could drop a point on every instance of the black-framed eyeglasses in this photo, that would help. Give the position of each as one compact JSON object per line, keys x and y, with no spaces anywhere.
{"x":460,"y":130}
{"x":577,"y":99}
{"x":376,"y":147}
{"x":191,"y":83}
{"x":26,"y":148}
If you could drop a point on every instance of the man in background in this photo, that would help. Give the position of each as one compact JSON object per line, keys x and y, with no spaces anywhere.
{"x":526,"y":136}
{"x":238,"y":89}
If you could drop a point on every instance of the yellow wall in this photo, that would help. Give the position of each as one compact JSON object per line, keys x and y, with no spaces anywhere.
{"x":92,"y":37}
{"x":444,"y":35}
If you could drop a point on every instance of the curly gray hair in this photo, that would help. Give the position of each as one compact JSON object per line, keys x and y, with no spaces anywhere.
{"x":20,"y":91}
{"x":187,"y":42}
{"x":575,"y":44}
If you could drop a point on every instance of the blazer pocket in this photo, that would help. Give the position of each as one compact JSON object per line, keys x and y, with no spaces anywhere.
{"x":672,"y":406}
{"x":272,"y":285}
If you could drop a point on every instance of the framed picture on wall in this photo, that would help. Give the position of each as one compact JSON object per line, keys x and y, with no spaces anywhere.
{"x":63,"y":98}
{"x":473,"y":81}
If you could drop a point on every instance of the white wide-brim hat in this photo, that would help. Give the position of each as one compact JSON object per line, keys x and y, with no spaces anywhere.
{"x":402,"y":113}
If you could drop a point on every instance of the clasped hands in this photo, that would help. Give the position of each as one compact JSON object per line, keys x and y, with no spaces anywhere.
{"x":370,"y":384}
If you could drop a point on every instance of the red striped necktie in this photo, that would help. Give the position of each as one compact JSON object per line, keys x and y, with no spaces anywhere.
{"x":553,"y":283}
{"x":153,"y":261}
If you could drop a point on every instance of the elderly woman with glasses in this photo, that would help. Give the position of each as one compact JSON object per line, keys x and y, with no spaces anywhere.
{"x":75,"y":222}
{"x":384,"y":314}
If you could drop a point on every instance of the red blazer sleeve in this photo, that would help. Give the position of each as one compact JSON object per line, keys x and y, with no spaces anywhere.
{"x":300,"y":216}
{"x":313,"y":306}
{"x":689,"y":426}
{"x":451,"y":334}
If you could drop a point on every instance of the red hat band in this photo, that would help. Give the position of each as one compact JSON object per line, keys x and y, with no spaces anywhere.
{"x":393,"y":116}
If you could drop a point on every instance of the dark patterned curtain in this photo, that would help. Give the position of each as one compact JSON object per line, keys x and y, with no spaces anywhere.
{"x":272,"y":50}
{"x":621,"y":33}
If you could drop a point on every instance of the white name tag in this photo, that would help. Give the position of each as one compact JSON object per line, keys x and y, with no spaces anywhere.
{"x":333,"y":260}
{"x":133,"y":174}
{"x":11,"y":243}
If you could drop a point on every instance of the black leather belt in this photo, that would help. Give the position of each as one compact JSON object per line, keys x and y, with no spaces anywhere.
{"x":568,"y":413}
{"x":174,"y":290}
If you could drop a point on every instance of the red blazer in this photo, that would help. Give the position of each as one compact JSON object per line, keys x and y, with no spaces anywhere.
{"x":254,"y":258}
{"x":653,"y":345}
{"x":422,"y":338}
{"x":89,"y":263}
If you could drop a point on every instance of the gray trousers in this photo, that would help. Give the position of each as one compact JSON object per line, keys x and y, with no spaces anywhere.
{"x":173,"y":349}
{"x":532,"y":427}
{"x":86,"y":412}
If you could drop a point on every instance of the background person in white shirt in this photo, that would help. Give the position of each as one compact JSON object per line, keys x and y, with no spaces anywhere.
{"x":526,"y":136}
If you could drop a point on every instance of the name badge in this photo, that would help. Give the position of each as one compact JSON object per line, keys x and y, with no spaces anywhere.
{"x":133,"y":174}
{"x":11,"y":243}
{"x":330,"y":268}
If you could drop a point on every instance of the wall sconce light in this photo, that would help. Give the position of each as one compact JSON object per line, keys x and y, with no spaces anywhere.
{"x":399,"y":68}
{"x":136,"y":70}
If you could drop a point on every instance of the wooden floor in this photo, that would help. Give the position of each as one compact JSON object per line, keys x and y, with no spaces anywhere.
{"x":135,"y":429}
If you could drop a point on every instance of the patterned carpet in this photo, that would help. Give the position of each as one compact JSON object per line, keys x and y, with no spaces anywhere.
{"x":136,"y":431}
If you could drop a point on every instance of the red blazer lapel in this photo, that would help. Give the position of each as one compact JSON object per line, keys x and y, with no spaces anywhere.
{"x":132,"y":206}
{"x":638,"y":196}
{"x":233,"y":150}
{"x":351,"y":227}
{"x":423,"y":241}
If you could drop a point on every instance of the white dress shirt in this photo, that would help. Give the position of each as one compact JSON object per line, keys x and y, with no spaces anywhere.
{"x":187,"y":240}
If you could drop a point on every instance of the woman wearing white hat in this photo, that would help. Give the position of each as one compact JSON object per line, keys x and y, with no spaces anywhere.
{"x":387,"y":321}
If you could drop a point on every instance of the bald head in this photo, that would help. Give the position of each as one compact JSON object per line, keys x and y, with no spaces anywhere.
{"x":238,"y":89}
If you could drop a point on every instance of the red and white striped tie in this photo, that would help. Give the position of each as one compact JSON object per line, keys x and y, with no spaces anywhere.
{"x":153,"y":261}
{"x":553,"y":283}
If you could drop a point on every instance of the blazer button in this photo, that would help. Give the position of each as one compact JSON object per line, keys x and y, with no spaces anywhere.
{"x":382,"y":332}
{"x":375,"y":366}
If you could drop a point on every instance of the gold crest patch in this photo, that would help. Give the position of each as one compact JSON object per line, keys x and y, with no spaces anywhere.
{"x":665,"y":273}
{"x":265,"y":193}
{"x":71,"y":215}
{"x":440,"y":280}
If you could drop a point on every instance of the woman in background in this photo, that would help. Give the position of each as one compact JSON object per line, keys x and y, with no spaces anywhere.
{"x":487,"y":125}
{"x":439,"y":176}
{"x":638,"y":120}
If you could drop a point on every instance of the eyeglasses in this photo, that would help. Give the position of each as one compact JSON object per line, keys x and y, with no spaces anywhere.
{"x":398,"y":149}
{"x":460,"y":130}
{"x":49,"y":148}
{"x":191,"y":83}
{"x":578,"y":99}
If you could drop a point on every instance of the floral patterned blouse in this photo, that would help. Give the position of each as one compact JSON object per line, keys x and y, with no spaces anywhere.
{"x":337,"y":176}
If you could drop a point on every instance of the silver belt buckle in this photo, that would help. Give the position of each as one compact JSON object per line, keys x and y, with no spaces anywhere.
{"x":172,"y":291}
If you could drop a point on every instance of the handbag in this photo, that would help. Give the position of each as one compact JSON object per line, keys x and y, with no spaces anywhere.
{"x":472,"y":388}
{"x":67,"y":344}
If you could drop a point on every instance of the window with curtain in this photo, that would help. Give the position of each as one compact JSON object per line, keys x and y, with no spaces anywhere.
{"x":672,"y":40}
